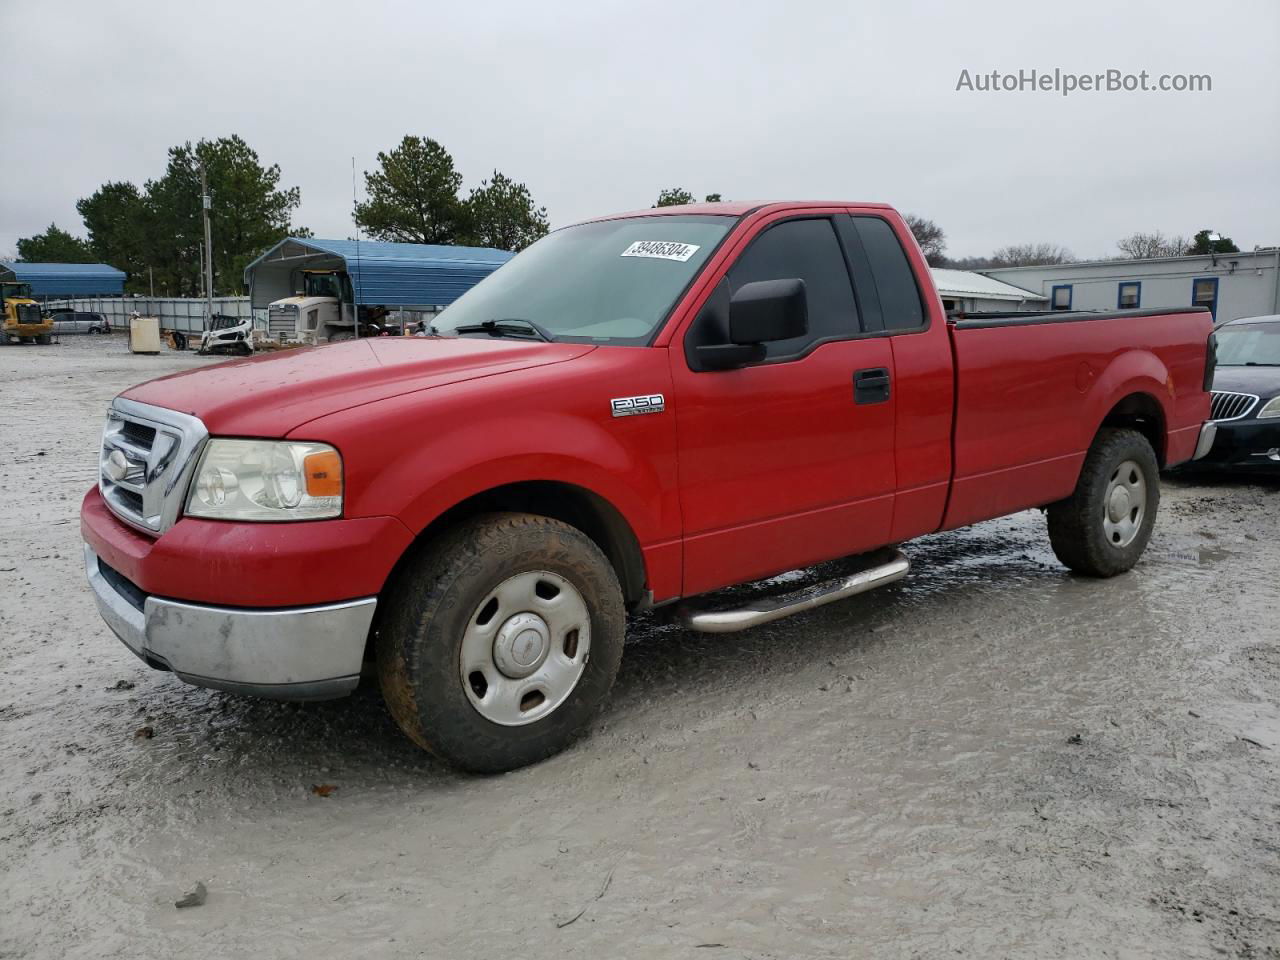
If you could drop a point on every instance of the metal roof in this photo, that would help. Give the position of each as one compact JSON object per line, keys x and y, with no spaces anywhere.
{"x":963,"y":283}
{"x":391,"y":274}
{"x":65,"y":279}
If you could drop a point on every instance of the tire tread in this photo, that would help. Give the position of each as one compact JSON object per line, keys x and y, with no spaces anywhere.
{"x":413,"y":659}
{"x":1075,"y":531}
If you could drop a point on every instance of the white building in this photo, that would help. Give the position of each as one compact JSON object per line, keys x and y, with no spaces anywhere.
{"x":965,"y":292}
{"x":1230,"y":284}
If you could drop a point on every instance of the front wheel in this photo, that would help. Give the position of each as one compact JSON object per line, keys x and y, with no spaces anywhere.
{"x":1103,"y":527}
{"x":497,"y":644}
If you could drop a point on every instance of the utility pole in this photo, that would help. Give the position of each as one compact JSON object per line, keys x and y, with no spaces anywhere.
{"x":206,"y":203}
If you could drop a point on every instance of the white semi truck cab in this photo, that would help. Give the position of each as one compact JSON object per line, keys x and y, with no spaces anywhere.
{"x":322,"y":311}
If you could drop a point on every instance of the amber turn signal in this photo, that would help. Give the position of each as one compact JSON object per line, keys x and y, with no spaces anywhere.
{"x":324,"y":474}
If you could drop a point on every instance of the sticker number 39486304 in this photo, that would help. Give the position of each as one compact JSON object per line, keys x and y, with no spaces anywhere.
{"x":661,"y":250}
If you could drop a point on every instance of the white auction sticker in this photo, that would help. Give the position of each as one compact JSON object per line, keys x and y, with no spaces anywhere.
{"x":661,"y":250}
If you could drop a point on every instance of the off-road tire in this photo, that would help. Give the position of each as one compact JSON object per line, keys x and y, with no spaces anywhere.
{"x":427,"y":607}
{"x":44,"y":339}
{"x":1076,"y":524}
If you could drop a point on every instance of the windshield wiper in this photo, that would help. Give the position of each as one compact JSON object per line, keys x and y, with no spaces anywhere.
{"x":498,"y":328}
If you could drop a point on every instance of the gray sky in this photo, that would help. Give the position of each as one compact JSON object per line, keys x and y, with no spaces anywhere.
{"x":598,"y":105}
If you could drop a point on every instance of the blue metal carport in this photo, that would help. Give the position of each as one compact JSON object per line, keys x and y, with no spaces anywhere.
{"x":53,"y":280}
{"x":410,"y":275}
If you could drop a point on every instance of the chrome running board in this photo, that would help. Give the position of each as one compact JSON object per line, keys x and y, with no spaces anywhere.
{"x":775,"y":608}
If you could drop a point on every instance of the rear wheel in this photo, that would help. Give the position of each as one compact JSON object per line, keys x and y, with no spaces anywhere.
{"x":498,"y":643}
{"x":1103,"y":527}
{"x":44,"y":338}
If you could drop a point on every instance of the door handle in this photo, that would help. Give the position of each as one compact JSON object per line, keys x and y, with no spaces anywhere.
{"x":871,"y":385}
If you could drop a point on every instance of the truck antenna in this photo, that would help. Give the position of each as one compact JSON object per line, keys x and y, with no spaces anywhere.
{"x":355,"y":199}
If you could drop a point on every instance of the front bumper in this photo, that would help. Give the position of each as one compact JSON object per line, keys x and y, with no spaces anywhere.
{"x":1252,"y":445}
{"x":290,"y":653}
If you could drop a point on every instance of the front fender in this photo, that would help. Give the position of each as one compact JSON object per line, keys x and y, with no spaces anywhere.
{"x":416,"y":455}
{"x":558,"y":448}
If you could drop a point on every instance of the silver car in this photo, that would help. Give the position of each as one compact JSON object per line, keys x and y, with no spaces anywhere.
{"x":78,"y":321}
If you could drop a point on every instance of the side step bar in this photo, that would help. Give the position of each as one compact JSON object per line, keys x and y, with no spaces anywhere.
{"x":775,"y":608}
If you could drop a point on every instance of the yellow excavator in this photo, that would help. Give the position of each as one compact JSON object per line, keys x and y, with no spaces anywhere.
{"x":22,"y":321}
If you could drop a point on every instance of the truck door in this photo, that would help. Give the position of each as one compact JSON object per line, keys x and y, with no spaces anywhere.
{"x":789,"y":461}
{"x":887,"y":271}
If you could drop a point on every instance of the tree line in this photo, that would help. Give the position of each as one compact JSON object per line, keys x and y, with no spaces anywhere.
{"x":1136,"y":246}
{"x":933,"y":242}
{"x":154,"y":233}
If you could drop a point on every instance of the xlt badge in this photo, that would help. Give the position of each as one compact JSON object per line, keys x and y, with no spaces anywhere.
{"x":632,"y":406}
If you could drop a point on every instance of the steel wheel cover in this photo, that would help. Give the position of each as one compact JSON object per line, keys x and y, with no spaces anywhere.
{"x":525,"y":648}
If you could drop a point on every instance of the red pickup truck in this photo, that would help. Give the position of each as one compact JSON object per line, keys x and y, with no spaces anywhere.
{"x":635,"y":411}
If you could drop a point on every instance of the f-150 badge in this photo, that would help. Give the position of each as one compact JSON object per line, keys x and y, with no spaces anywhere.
{"x":632,"y":406}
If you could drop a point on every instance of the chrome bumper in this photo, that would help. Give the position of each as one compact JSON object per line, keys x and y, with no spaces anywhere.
{"x":1208,"y":433}
{"x":292,"y":653}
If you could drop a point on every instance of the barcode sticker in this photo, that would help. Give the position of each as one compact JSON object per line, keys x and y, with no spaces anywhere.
{"x":661,"y":250}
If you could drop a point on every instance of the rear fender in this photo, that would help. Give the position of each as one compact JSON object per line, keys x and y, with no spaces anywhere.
{"x":1131,"y":372}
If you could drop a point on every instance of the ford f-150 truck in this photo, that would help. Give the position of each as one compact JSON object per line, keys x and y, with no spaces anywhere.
{"x":632,"y":413}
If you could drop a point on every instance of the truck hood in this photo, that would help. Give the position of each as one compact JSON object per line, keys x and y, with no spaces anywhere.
{"x":267,"y":396}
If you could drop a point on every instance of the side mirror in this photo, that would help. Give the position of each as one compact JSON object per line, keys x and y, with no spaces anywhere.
{"x":758,"y":313}
{"x":768,"y":310}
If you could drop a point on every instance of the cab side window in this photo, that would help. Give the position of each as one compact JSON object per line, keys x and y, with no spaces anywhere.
{"x":900,"y":300}
{"x":808,"y":250}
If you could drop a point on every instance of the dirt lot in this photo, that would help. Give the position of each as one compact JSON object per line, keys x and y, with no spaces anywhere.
{"x":989,"y":759}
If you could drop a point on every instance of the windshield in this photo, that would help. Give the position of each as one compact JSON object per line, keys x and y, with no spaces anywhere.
{"x":16,"y":291}
{"x":1243,"y":344}
{"x":323,"y":285}
{"x":611,"y":282}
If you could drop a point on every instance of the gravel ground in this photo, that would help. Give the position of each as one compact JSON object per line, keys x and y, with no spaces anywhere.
{"x":989,"y":759}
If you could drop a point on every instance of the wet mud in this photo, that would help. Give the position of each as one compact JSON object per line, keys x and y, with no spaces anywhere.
{"x":991,"y":758}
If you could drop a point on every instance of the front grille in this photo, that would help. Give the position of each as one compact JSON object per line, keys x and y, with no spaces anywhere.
{"x":139,"y":433}
{"x":28,"y":313}
{"x":282,"y":322}
{"x":145,"y":465}
{"x":1231,"y":406}
{"x":131,"y":501}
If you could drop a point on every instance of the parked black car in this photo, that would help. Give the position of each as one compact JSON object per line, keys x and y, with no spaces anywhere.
{"x":79,"y":321}
{"x":1246,"y":396}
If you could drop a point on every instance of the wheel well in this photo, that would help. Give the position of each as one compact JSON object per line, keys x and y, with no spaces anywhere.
{"x":1141,"y":412}
{"x":574,"y":505}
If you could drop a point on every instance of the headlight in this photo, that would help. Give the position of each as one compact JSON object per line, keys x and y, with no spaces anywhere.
{"x":266,"y":480}
{"x":1270,"y":409}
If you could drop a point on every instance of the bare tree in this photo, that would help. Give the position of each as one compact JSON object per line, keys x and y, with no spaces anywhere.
{"x":1030,"y":255}
{"x":1145,"y":246}
{"x":932,"y":240}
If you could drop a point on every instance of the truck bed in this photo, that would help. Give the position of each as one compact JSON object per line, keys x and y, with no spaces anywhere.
{"x":1032,"y":389}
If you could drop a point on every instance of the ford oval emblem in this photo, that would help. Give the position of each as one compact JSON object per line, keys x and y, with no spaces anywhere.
{"x":117,"y":466}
